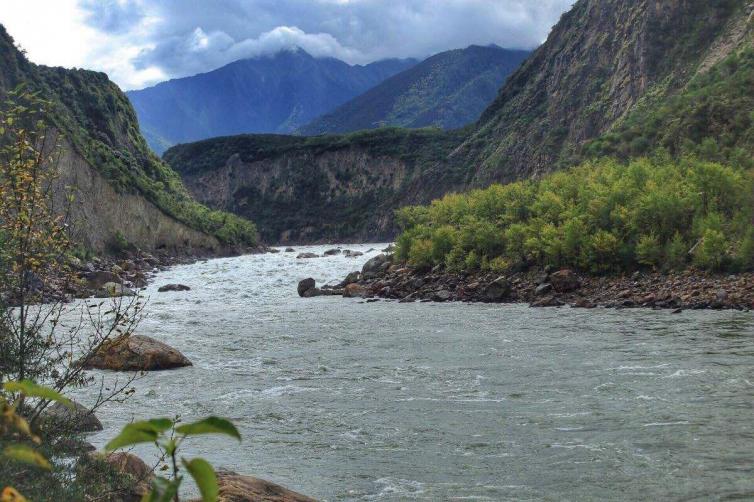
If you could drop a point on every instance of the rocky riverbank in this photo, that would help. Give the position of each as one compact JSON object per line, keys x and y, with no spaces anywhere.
{"x":691,"y":289}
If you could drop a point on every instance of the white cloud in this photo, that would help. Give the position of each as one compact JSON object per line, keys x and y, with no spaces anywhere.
{"x":140,"y":42}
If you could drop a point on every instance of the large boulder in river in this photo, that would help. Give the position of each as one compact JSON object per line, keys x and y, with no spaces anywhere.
{"x":332,"y":252}
{"x":373,"y":266}
{"x":237,"y":488}
{"x":564,"y":281}
{"x":303,"y":256}
{"x":173,"y":287}
{"x":77,"y":418}
{"x":136,"y":353}
{"x":305,"y":285}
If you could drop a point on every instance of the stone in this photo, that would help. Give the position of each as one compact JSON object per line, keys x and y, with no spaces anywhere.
{"x":132,"y":466}
{"x":496,"y":291}
{"x":173,"y":287}
{"x":548,"y":301}
{"x":96,"y":280}
{"x":312,"y":292}
{"x":350,"y":279}
{"x":114,"y":290}
{"x":332,"y":252}
{"x":290,"y":250}
{"x":76,"y":419}
{"x":373,"y":266}
{"x":136,"y":353}
{"x":352,"y":254}
{"x":305,"y":285}
{"x":237,"y":488}
{"x":442,"y":296}
{"x":354,"y":291}
{"x":543,"y":289}
{"x":305,"y":256}
{"x":564,"y":281}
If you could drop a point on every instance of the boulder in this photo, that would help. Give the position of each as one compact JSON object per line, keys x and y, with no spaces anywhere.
{"x":132,"y":466}
{"x":543,"y":289}
{"x":311,"y":293}
{"x":290,"y":250}
{"x":332,"y":252}
{"x":548,"y":301}
{"x":352,"y":254}
{"x":374,"y":265}
{"x":306,"y":285}
{"x":114,"y":290}
{"x":173,"y":287}
{"x":98,"y":279}
{"x":354,"y":291}
{"x":350,"y":279}
{"x":136,"y":353}
{"x":496,"y":291}
{"x":76,"y":419}
{"x":564,"y":281}
{"x":237,"y":488}
{"x":304,"y":256}
{"x":442,"y":296}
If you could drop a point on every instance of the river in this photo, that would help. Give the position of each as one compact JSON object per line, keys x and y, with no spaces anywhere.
{"x":345,"y":400}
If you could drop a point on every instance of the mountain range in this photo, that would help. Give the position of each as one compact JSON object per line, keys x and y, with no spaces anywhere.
{"x":448,"y":90}
{"x":613,"y":78}
{"x":267,"y":94}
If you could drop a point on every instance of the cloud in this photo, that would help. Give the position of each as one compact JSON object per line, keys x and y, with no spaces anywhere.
{"x":139,"y":42}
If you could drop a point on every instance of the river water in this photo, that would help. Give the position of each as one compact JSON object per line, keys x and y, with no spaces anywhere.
{"x":344,"y":400}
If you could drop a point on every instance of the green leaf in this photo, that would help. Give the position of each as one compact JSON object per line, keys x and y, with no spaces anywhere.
{"x":31,"y":389}
{"x":27,"y":455}
{"x":209,"y":425}
{"x":163,"y":490}
{"x":205,"y":478}
{"x":146,"y":431}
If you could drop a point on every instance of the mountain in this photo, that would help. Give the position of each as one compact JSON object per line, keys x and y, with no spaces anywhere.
{"x":448,"y":90}
{"x":268,"y":94}
{"x":613,"y":78}
{"x":122,"y":191}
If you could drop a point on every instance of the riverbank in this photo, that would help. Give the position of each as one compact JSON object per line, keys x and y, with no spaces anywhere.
{"x":691,"y":289}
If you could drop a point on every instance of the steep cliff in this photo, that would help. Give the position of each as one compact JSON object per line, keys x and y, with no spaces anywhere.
{"x":615,"y":77}
{"x":122,"y":190}
{"x":316,"y":189}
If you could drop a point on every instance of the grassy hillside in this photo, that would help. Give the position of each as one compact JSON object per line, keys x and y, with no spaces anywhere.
{"x":99,"y":122}
{"x":448,"y":90}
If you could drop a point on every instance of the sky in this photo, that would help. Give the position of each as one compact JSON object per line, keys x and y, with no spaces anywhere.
{"x":141,"y":42}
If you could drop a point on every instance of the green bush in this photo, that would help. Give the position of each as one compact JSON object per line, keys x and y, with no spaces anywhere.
{"x":603,"y":216}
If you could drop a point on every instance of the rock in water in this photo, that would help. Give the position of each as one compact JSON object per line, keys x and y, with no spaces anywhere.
{"x":173,"y":287}
{"x":237,"y":488}
{"x":76,"y":419}
{"x":136,"y":353}
{"x":354,"y":291}
{"x":564,"y":281}
{"x":290,"y":250}
{"x":303,"y":256}
{"x":115,"y":290}
{"x":306,"y":285}
{"x":373,"y":266}
{"x":352,"y":254}
{"x":332,"y":252}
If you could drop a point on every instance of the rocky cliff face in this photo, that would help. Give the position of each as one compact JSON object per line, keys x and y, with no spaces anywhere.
{"x":593,"y":88}
{"x":314,"y":189}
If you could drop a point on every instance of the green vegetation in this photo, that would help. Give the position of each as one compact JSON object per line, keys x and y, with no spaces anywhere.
{"x":97,"y":119}
{"x":712,"y":118}
{"x":604,"y":216}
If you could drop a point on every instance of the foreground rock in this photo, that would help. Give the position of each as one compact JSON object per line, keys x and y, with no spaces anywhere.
{"x":237,"y":488}
{"x":132,"y":466}
{"x":76,"y":419}
{"x":136,"y":353}
{"x":173,"y":287}
{"x":305,"y":286}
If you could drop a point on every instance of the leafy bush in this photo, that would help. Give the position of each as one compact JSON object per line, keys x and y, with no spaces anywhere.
{"x":603,"y":216}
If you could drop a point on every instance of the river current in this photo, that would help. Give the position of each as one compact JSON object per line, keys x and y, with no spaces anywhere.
{"x":346,"y":400}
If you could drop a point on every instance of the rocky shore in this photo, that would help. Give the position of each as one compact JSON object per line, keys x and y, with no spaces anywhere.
{"x":381,"y":277}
